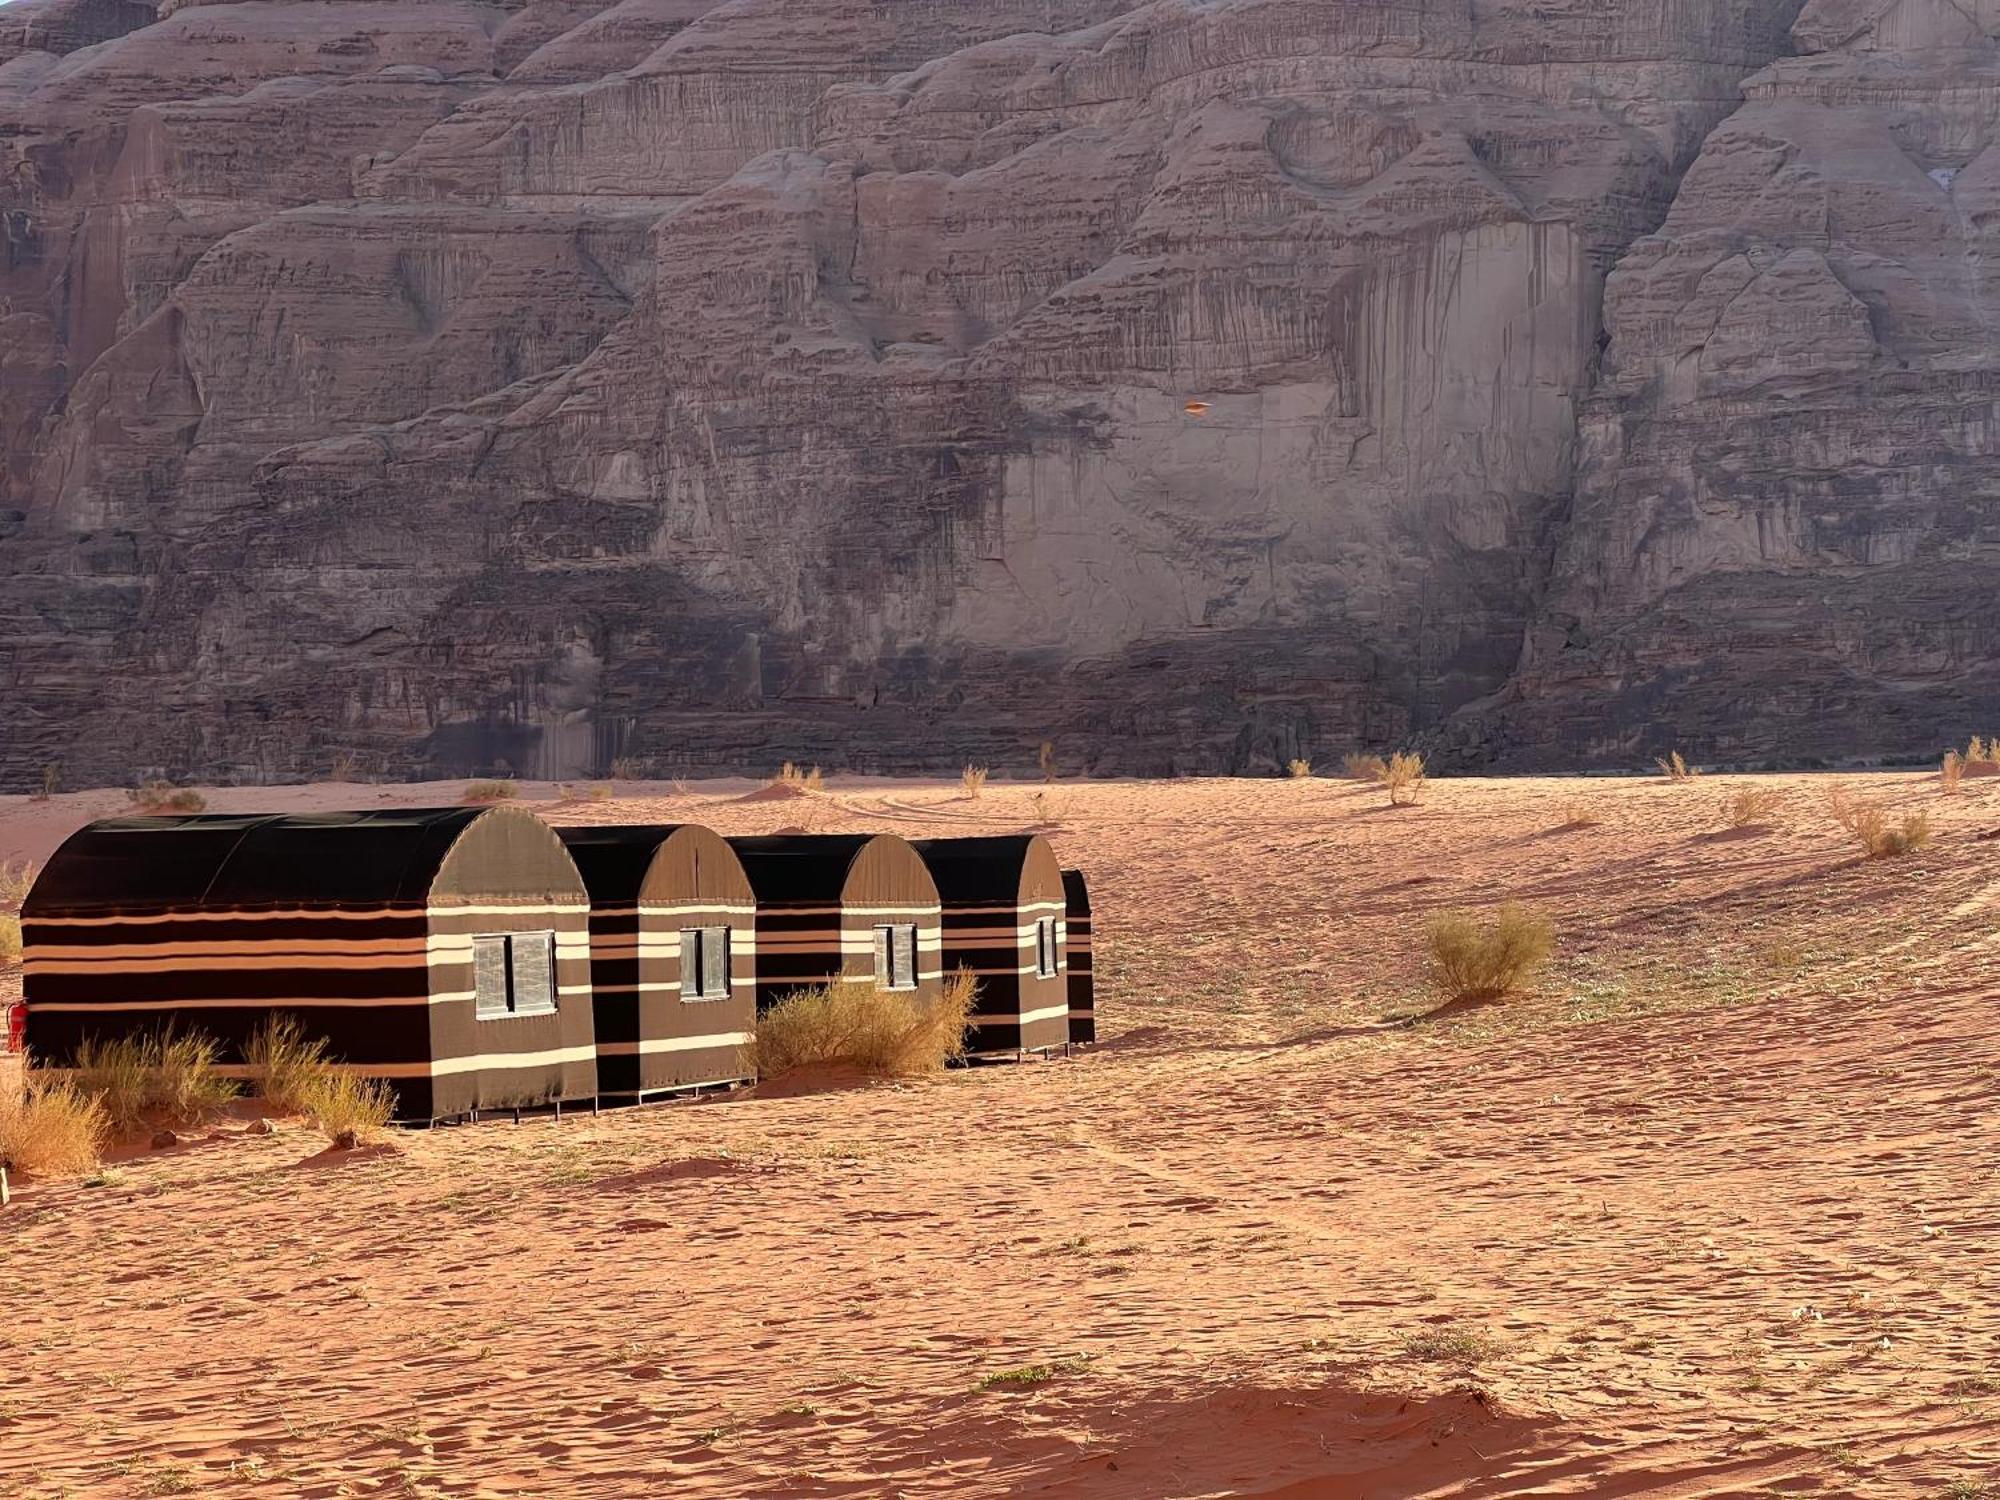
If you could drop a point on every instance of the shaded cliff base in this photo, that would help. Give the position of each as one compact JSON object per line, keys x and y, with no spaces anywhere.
{"x":1707,"y":1214}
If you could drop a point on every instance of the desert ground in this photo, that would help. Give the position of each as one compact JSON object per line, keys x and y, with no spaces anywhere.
{"x":1711,"y":1212}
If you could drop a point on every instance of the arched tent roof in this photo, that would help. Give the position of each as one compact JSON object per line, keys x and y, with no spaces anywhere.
{"x":1077,"y":891}
{"x":993,"y":871}
{"x":225,"y":861}
{"x":835,"y":867}
{"x":656,"y":863}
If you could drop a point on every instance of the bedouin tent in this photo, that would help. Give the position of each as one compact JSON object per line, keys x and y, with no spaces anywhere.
{"x":841,"y":906}
{"x":1004,"y":915}
{"x":1082,"y":976}
{"x":673,"y":956}
{"x":445,"y":951}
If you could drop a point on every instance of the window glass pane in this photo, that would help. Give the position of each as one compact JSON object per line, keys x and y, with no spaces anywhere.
{"x":715,"y":963}
{"x":690,"y":963}
{"x":534,"y":972}
{"x":884,"y":959}
{"x":489,"y":976}
{"x":906,"y":957}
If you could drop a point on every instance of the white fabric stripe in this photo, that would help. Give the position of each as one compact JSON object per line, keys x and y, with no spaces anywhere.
{"x":1025,"y":1018}
{"x":241,"y":1002}
{"x":653,"y":1045}
{"x":525,"y":909}
{"x":689,"y":908}
{"x":456,"y":948}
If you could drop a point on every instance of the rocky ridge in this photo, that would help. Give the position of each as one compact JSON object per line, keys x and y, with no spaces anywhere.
{"x":457,"y":385}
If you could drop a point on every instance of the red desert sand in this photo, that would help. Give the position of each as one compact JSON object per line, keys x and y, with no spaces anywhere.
{"x":1711,"y":1212}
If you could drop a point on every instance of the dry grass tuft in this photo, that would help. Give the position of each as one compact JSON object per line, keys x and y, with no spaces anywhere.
{"x":1982,"y":752}
{"x":1578,"y":812}
{"x":287,"y":1066}
{"x":1359,"y":767}
{"x":52,"y":1128}
{"x":600,"y":793}
{"x":17,"y":878}
{"x":161,"y":797}
{"x":805,"y":780}
{"x":972,"y":781}
{"x":1870,"y":826}
{"x":1675,"y":769}
{"x":1951,"y":773}
{"x":852,"y":1024}
{"x":1299,"y":770}
{"x":500,"y":790}
{"x":1752,"y":806}
{"x":10,"y":939}
{"x":1457,"y":1346}
{"x":348,"y":1109}
{"x":1403,"y":776}
{"x":173,"y":1076}
{"x":1471,"y":960}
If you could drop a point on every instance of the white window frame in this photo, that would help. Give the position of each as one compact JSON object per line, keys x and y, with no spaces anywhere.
{"x":513,"y":1005}
{"x":885,"y":946}
{"x":1048,"y":956}
{"x":698,"y":938}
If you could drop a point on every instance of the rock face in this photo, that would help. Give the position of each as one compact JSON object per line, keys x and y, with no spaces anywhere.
{"x":452,"y":386}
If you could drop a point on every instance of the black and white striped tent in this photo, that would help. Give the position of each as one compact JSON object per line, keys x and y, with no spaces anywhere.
{"x":842,"y":906}
{"x":1004,"y":919}
{"x":444,"y":951}
{"x":1082,"y":961}
{"x":673,"y":939}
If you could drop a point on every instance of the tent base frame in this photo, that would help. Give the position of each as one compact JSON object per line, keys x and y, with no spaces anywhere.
{"x":678,"y":1091}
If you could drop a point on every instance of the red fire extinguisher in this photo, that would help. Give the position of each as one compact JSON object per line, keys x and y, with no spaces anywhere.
{"x":17,"y":1027}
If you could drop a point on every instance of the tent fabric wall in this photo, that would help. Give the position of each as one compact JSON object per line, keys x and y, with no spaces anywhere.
{"x":995,"y":893}
{"x":1082,"y":965}
{"x":820,"y":899}
{"x":650,"y":884}
{"x":357,"y":925}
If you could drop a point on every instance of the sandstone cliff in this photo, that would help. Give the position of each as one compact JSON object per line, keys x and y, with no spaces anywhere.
{"x":894,"y":382}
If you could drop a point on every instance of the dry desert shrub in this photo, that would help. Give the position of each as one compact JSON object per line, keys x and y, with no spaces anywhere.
{"x":853,"y":1024}
{"x":1299,"y":770}
{"x":286,"y":1065}
{"x":162,"y":797}
{"x":52,"y":1128}
{"x":1578,"y":812}
{"x":348,"y":1109}
{"x":1982,"y":752}
{"x":17,"y":878}
{"x":972,"y":781}
{"x":51,"y":780}
{"x":624,"y":768}
{"x":1951,"y":773}
{"x":499,"y":790}
{"x":1359,"y":767}
{"x":1752,"y":806}
{"x":1473,"y":960}
{"x":1045,"y":758}
{"x":1403,"y":776}
{"x":172,"y":1075}
{"x":1676,"y":769}
{"x":1872,"y":828}
{"x":600,"y":793}
{"x":805,"y":780}
{"x":10,"y":939}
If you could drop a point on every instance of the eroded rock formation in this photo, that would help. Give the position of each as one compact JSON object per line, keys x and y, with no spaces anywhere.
{"x":897,"y":382}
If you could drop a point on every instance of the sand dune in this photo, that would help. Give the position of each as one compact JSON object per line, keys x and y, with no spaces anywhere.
{"x":1712,"y":1214}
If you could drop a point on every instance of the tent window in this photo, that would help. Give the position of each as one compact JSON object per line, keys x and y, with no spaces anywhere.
{"x":1045,"y":948}
{"x":896,"y":956}
{"x":514,"y":974}
{"x":704,"y":963}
